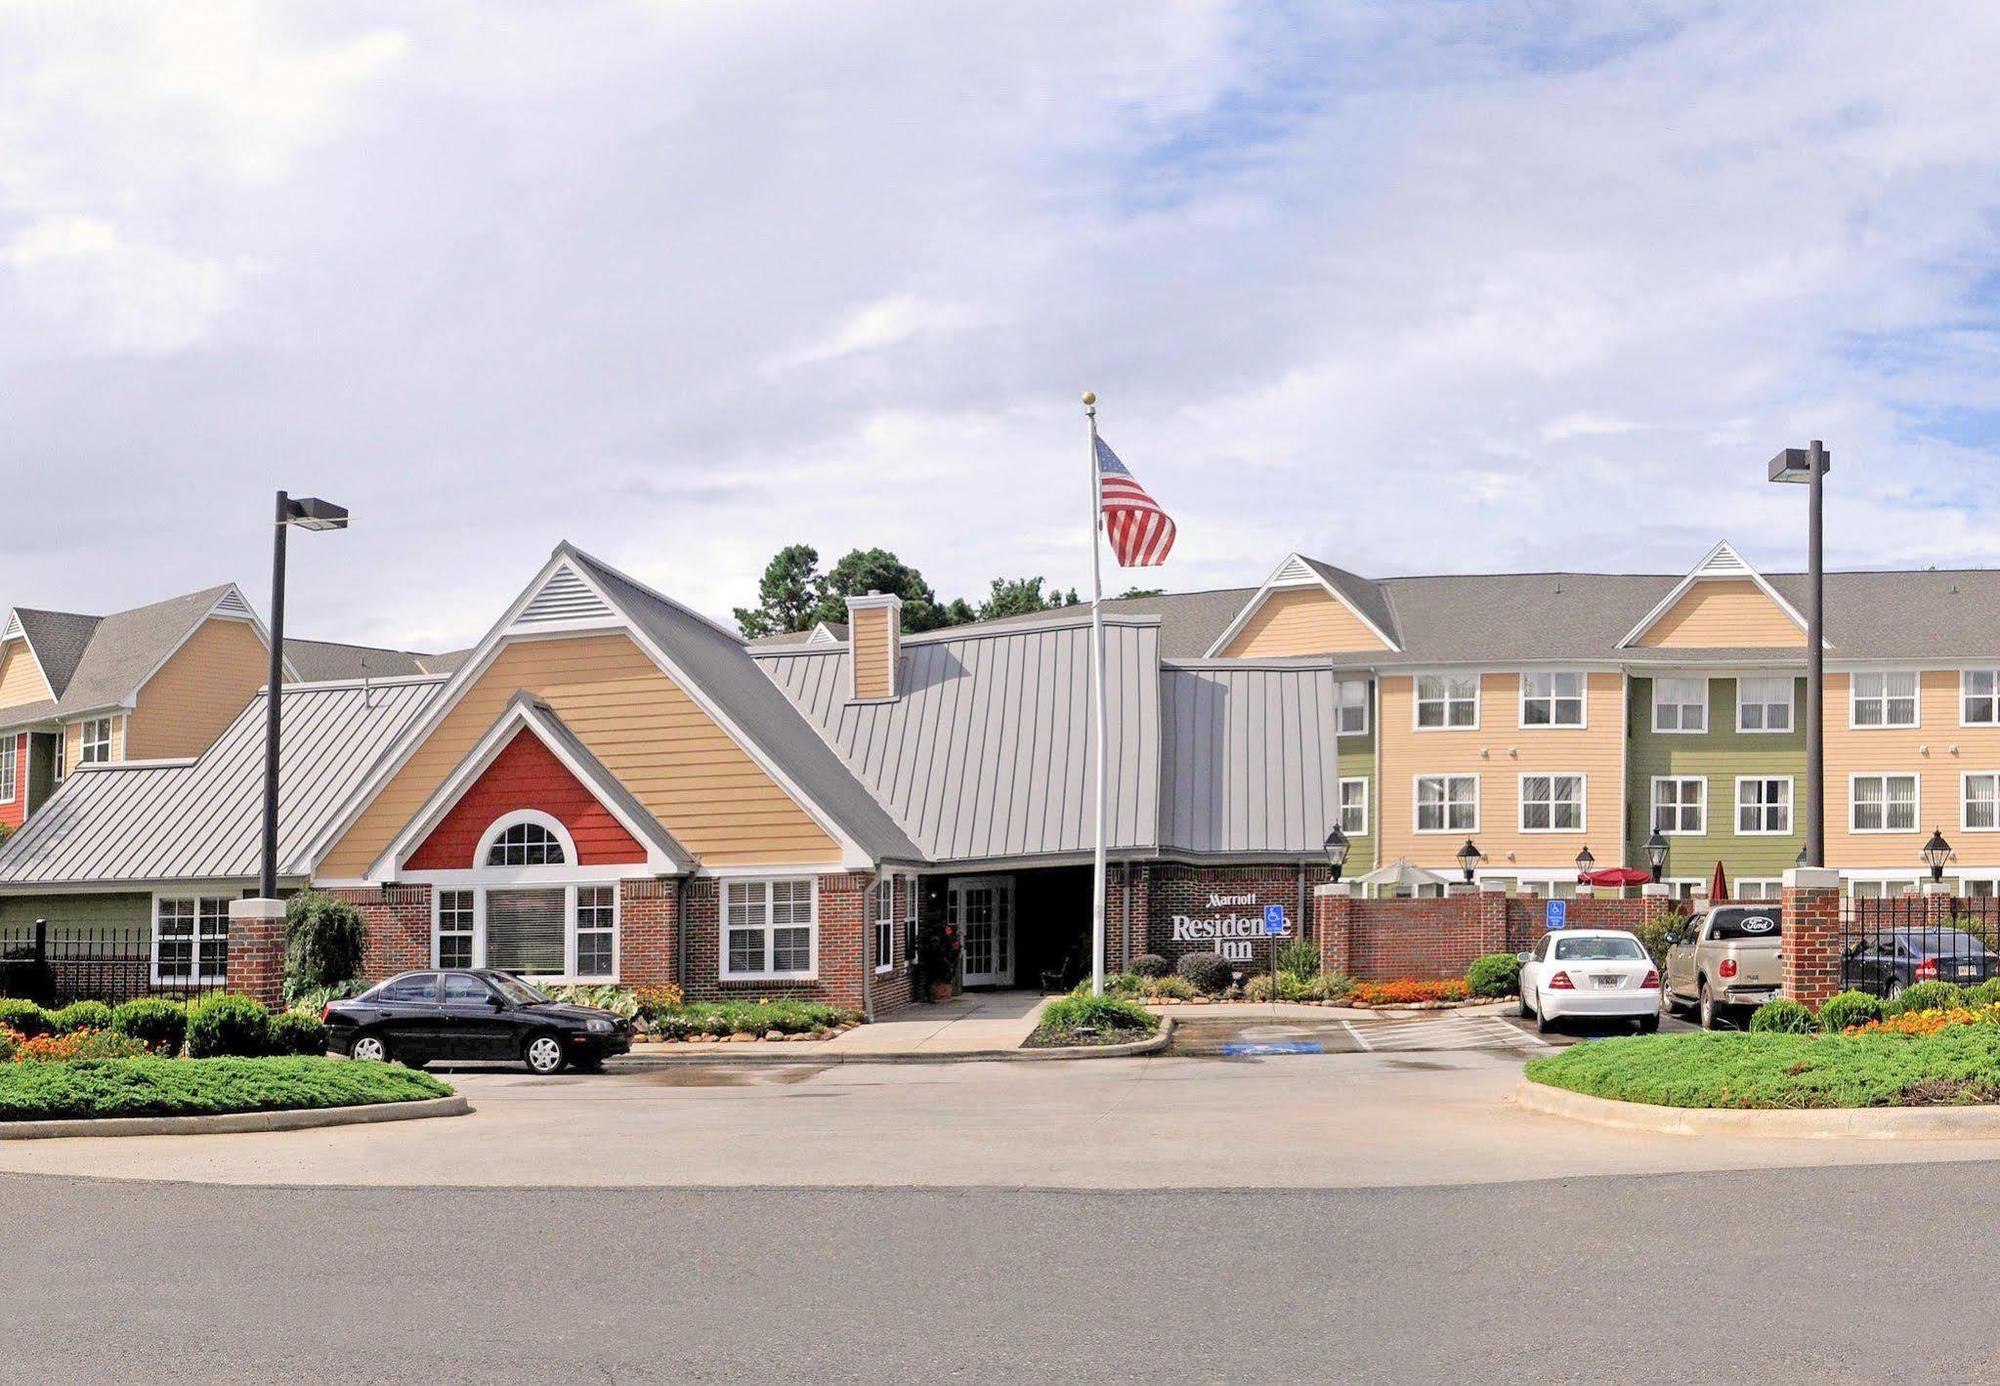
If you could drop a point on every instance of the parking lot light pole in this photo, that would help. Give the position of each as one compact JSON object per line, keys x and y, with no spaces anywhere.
{"x":308,"y":513}
{"x":1810,"y":465}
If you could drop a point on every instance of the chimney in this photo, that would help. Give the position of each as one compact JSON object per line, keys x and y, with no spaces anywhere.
{"x":875,"y":645}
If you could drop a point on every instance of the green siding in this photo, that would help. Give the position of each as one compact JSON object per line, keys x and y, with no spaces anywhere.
{"x":1719,"y":756}
{"x":75,"y":913}
{"x":1357,"y":761}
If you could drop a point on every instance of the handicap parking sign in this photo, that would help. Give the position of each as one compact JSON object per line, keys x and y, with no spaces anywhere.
{"x":1558,"y":914}
{"x":1274,"y":920}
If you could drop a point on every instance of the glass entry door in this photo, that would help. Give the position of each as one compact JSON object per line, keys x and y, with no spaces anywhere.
{"x":983,"y":909}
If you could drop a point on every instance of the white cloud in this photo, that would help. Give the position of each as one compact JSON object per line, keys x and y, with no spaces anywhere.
{"x":95,"y":292}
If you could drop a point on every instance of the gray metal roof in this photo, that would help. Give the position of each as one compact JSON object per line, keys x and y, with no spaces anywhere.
{"x":201,"y":820}
{"x":1248,"y":761}
{"x":317,"y":661}
{"x":987,"y":753}
{"x":1189,"y":621}
{"x":720,"y":663}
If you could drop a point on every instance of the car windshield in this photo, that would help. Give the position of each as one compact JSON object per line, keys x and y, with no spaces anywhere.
{"x":516,"y":990}
{"x":1598,"y":949}
{"x":1740,"y":922}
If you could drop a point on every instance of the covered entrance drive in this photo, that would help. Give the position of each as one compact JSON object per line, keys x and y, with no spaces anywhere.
{"x":982,"y":907}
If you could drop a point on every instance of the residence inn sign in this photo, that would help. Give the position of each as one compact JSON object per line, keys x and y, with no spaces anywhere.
{"x":1231,"y":923}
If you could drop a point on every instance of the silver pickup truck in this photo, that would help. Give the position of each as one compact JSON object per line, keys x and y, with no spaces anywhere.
{"x":1726,"y":957}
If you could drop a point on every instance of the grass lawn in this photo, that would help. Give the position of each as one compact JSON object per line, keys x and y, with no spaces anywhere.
{"x":1957,"y":1066}
{"x":1076,"y":1019}
{"x":200,"y":1087}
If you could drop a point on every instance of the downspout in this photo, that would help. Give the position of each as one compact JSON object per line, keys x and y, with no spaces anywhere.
{"x":1301,"y":916}
{"x":868,"y":905}
{"x":1125,"y":925}
{"x":681,"y":932}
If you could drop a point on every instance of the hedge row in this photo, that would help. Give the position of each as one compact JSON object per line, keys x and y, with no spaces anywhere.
{"x":213,"y":1027}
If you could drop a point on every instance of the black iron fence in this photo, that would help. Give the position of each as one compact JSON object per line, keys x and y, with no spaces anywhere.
{"x":1890,"y":944}
{"x":53,"y":964}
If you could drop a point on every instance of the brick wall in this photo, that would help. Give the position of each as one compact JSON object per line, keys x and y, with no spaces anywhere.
{"x":399,"y":927}
{"x":1812,"y":935}
{"x":1173,"y":889}
{"x":647,"y":945}
{"x":844,"y":926}
{"x":1527,"y":919}
{"x":1382,"y":940}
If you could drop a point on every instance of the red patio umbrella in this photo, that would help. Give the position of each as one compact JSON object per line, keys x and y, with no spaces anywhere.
{"x":1620,"y":876}
{"x":1718,"y":886}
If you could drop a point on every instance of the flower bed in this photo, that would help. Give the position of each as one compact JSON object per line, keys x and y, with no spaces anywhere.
{"x":1958,"y":1064}
{"x":711,"y":1022}
{"x":1084,"y":1020}
{"x":1410,"y":992}
{"x":34,"y":1090}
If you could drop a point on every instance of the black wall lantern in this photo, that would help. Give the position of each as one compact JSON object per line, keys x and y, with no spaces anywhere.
{"x":1336,"y":850}
{"x":1936,"y":853}
{"x":1656,"y":854}
{"x":1585,"y":862}
{"x":1468,"y":857}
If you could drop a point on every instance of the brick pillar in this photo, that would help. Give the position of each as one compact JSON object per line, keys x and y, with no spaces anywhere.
{"x":1656,"y":901}
{"x":257,"y":950}
{"x":1491,"y":919}
{"x":1812,"y":933}
{"x":649,"y":932}
{"x":1939,"y":906}
{"x":1333,"y":923}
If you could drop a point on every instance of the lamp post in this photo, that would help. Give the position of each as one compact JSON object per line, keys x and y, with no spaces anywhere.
{"x":1336,"y":850}
{"x":1810,"y":465}
{"x":308,"y":513}
{"x":1585,"y":862}
{"x":1656,"y":854}
{"x":1936,"y":853}
{"x":1469,"y":856}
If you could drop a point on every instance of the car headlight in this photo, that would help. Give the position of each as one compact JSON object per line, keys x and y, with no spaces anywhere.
{"x":599,"y":1027}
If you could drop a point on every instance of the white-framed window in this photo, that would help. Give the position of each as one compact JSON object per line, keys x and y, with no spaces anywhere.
{"x":9,"y":783}
{"x":1551,"y":803}
{"x":525,"y":843}
{"x":62,"y":755}
{"x":1764,"y":704}
{"x":1763,"y":805}
{"x":457,"y":925}
{"x":1882,"y":803}
{"x":1680,"y":805}
{"x":1447,"y":803}
{"x":885,"y":925}
{"x":1882,"y":699}
{"x":1979,"y":697}
{"x":596,"y":931}
{"x":1552,"y":700}
{"x":1446,"y":701}
{"x":95,"y":745}
{"x":1978,"y":801}
{"x":1351,"y":707}
{"x":770,"y":929}
{"x":1758,"y":889}
{"x":190,"y":939}
{"x":1680,"y":705}
{"x":1354,"y":807}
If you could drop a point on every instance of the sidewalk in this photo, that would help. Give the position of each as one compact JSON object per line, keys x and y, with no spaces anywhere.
{"x":972,"y":1023}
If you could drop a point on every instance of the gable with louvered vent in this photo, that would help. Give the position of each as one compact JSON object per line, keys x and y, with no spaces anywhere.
{"x":564,"y":597}
{"x":1294,"y":569}
{"x":233,"y":605}
{"x":1722,"y":603}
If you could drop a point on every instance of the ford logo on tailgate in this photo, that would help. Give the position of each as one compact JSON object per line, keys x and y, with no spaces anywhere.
{"x":1758,"y":924}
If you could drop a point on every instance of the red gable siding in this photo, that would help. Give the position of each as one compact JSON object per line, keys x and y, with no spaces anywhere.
{"x":526,"y":775}
{"x":16,"y":748}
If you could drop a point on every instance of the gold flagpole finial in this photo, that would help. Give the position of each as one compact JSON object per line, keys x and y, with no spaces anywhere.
{"x":1089,"y":397}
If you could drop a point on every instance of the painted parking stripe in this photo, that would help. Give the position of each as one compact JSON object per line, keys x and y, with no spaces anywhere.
{"x":1359,"y":1038}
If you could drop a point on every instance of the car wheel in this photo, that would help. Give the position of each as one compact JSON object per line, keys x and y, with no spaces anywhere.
{"x":543,"y":1054}
{"x":1521,"y":1007}
{"x":1707,"y":1007}
{"x":1648,"y":1024}
{"x":369,"y":1049}
{"x":1543,"y":1024}
{"x":1668,"y":1005}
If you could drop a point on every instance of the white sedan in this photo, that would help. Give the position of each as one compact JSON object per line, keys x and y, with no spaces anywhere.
{"x":1597,"y":973}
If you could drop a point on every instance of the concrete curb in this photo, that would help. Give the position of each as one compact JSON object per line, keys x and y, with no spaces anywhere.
{"x":229,"y":1122}
{"x":722,"y":1055}
{"x":1828,"y":1123}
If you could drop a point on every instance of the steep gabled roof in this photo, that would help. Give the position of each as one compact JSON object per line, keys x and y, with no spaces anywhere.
{"x":58,"y":639}
{"x":1360,"y":596}
{"x":318,"y":660}
{"x":1721,"y":563}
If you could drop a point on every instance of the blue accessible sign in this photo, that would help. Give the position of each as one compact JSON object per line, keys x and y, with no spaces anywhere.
{"x":1274,"y":920}
{"x":1558,"y":914}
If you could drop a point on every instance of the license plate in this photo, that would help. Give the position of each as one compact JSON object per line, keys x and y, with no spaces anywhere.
{"x":1604,"y":981}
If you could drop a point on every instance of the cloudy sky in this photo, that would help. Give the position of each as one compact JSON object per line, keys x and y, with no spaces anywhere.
{"x":1411,"y":287}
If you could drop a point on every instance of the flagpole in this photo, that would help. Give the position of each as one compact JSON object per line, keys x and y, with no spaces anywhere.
{"x":1096,"y":700}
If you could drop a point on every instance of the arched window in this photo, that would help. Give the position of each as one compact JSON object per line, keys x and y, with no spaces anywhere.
{"x":526,"y":844}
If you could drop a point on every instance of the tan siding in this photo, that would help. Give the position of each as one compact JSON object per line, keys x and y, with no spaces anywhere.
{"x":873,"y":634}
{"x":73,"y":740}
{"x":1595,"y":751}
{"x":1723,"y":615}
{"x":21,"y":677}
{"x":199,"y":691}
{"x":1892,"y":751}
{"x":1302,"y":621}
{"x":650,"y":734}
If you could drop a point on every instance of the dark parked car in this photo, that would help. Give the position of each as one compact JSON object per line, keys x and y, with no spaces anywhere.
{"x":1894,"y":959}
{"x":473,"y":1014}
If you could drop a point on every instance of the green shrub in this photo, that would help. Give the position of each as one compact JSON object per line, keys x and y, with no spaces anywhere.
{"x":298,"y":1032}
{"x":620,"y":1001}
{"x":24,"y":1018}
{"x":1150,"y":965}
{"x":1300,"y":957}
{"x":1496,"y":974}
{"x":1291,"y":987}
{"x":756,"y":1017}
{"x":1173,"y":985}
{"x":324,"y":941}
{"x":1210,"y":972}
{"x":1985,"y":994}
{"x":1849,"y":1008}
{"x":80,"y":1015}
{"x":1652,"y":933}
{"x":233,"y":1026}
{"x":315,"y":999}
{"x":1092,"y":1020}
{"x":173,"y":1087}
{"x":1782,"y":1016}
{"x":156,"y":1022}
{"x":1928,"y":996}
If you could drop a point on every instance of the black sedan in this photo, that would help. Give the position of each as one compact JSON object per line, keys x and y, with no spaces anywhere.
{"x":473,"y":1014}
{"x":1888,"y":963}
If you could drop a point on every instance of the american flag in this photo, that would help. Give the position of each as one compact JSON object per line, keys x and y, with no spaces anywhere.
{"x":1141,"y":533}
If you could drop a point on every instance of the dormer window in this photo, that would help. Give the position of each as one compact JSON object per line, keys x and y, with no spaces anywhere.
{"x":526,"y":844}
{"x":96,"y":742}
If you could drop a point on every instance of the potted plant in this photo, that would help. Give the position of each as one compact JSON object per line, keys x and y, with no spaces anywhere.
{"x":937,"y":957}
